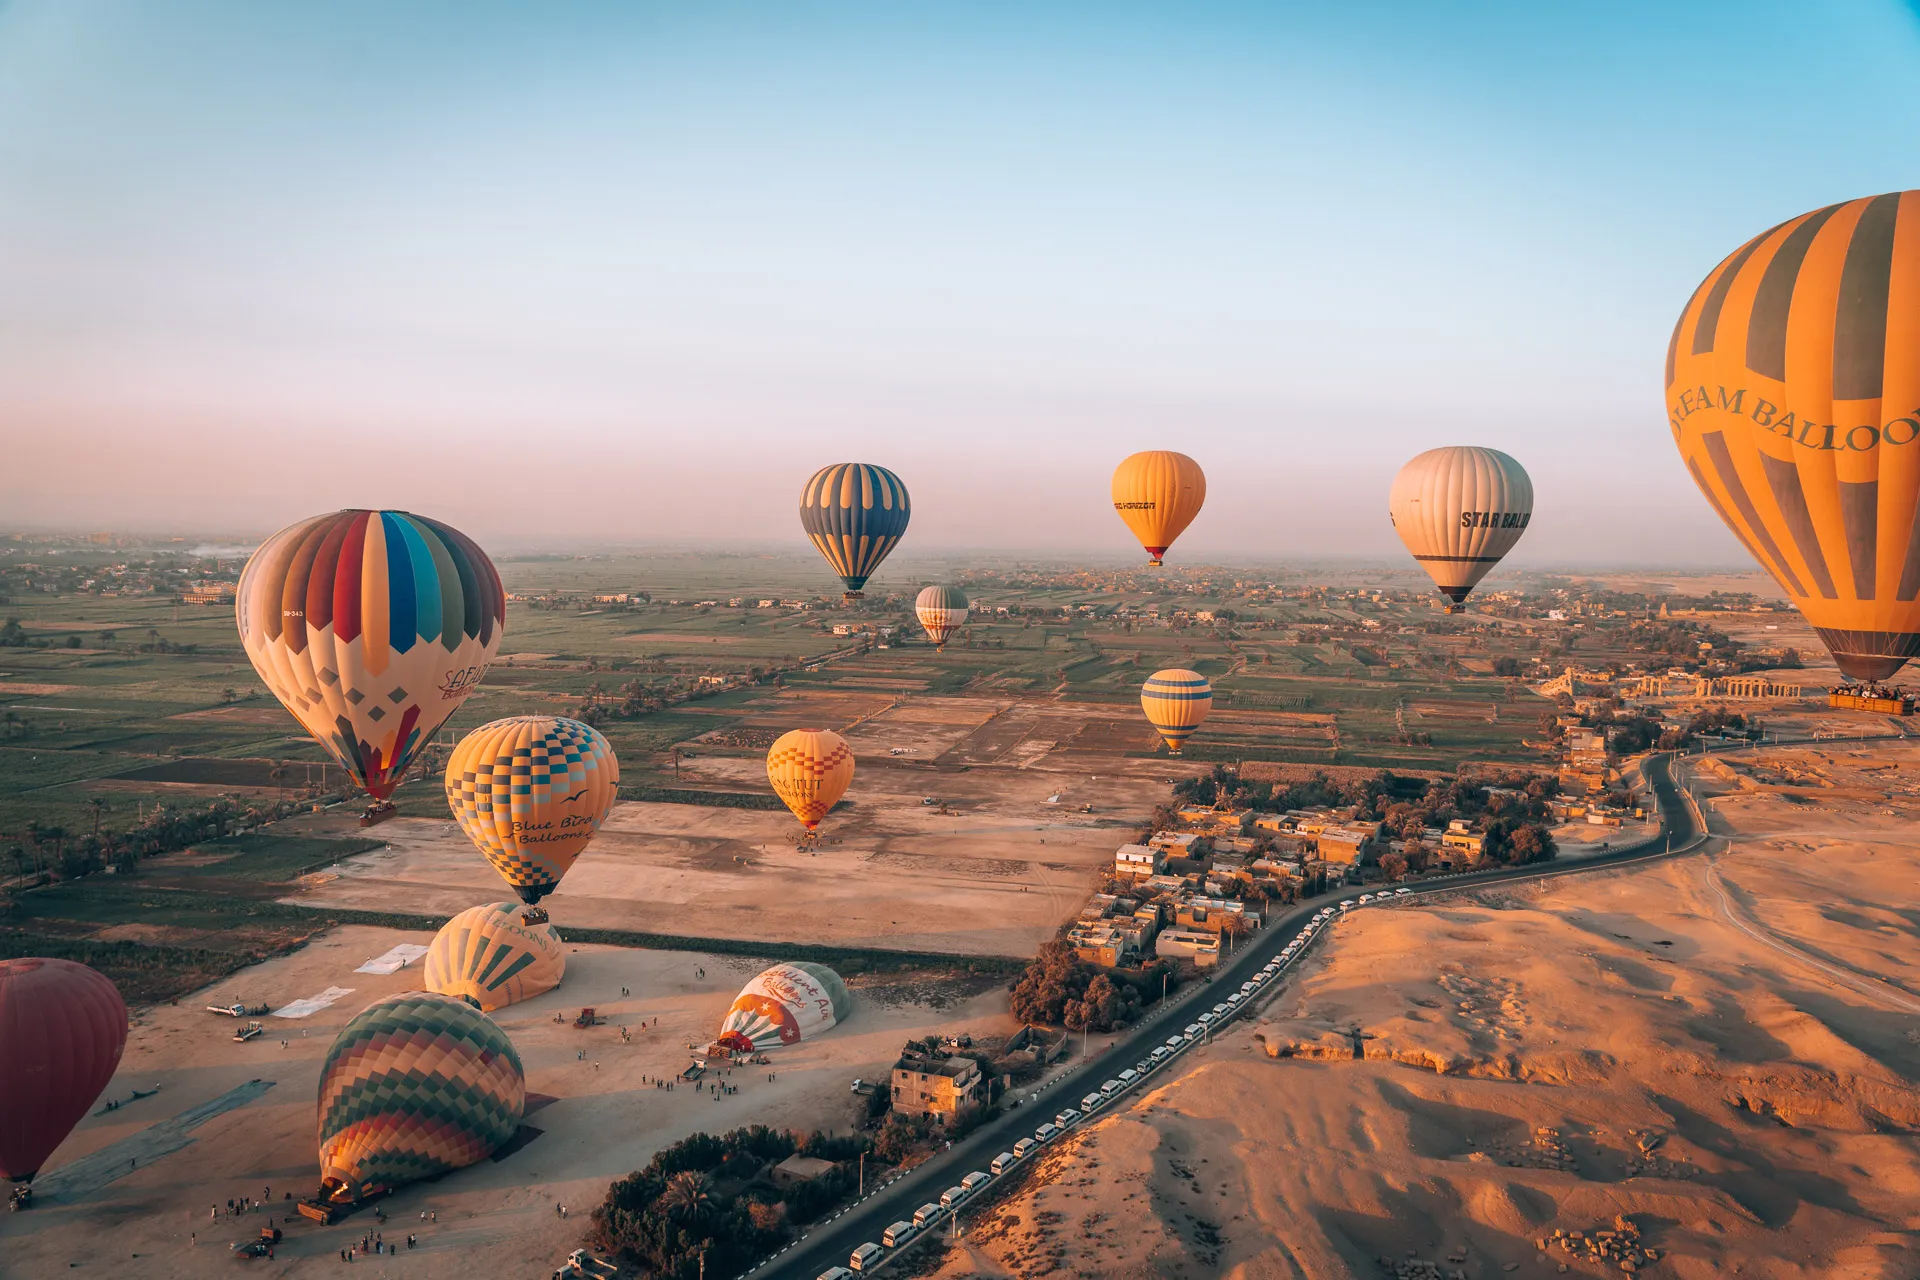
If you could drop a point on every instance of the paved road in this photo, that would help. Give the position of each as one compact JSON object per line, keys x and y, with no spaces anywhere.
{"x":830,"y":1244}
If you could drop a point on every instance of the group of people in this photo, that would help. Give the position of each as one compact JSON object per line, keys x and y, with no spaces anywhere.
{"x":375,"y":1244}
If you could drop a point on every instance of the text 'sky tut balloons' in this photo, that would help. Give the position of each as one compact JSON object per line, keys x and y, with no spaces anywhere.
{"x":62,"y":1029}
{"x":855,"y":513}
{"x":940,"y":610}
{"x":1793,"y":392}
{"x":530,"y":791}
{"x":1158,"y":493}
{"x":1176,"y":702}
{"x":784,"y":1005}
{"x":491,"y":957}
{"x":810,"y":769}
{"x":372,"y":627}
{"x":1460,"y":510}
{"x":415,"y":1085}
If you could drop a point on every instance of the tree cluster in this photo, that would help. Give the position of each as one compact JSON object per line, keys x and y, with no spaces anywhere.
{"x":1060,"y":989}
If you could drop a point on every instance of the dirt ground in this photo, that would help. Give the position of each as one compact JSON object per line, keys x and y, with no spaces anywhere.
{"x":599,"y":1121}
{"x":1722,"y":1049}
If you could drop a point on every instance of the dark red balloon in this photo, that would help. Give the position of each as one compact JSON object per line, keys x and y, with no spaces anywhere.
{"x":62,"y":1029}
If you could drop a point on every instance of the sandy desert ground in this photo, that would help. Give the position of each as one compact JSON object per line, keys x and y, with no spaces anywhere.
{"x":1720,"y":1050}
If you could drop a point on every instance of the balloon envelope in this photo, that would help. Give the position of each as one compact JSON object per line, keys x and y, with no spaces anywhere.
{"x":1792,"y":383}
{"x":940,"y":610}
{"x":530,"y":791}
{"x":855,"y":513}
{"x":787,"y":1004}
{"x":491,"y":956}
{"x":63,"y":1027}
{"x":413,"y":1086}
{"x":810,"y":769}
{"x":1460,"y":510}
{"x":1158,"y":493}
{"x":371,"y":627}
{"x":1176,"y":701}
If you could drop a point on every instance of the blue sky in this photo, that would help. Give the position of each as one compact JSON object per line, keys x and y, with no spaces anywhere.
{"x":632,"y":272}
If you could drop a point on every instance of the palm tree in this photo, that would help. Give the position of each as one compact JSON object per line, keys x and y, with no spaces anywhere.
{"x":99,"y":806}
{"x":687,"y":1195}
{"x":279,"y":775}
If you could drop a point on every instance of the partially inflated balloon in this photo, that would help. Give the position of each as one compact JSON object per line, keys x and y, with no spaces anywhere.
{"x":1460,"y":510}
{"x":415,"y":1085}
{"x":810,"y":769}
{"x":62,"y":1029}
{"x":855,"y":513}
{"x":785,"y":1005}
{"x":1158,"y":493}
{"x":1793,"y":392}
{"x":530,"y":791}
{"x":1176,"y":701}
{"x":940,"y":610}
{"x":372,"y":627}
{"x":492,"y":957}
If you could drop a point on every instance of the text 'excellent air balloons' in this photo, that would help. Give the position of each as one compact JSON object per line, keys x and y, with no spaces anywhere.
{"x":491,"y":957}
{"x":62,"y":1029}
{"x":855,"y":513}
{"x":1460,"y":510}
{"x":415,"y":1085}
{"x":784,"y":1005}
{"x":372,"y":627}
{"x":810,"y":769}
{"x":530,"y":791}
{"x":940,"y":610}
{"x":1158,"y":493}
{"x":1793,"y":392}
{"x":1176,"y":702}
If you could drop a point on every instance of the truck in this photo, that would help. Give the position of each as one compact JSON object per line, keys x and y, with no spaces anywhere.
{"x":251,"y":1031}
{"x":238,"y":1010}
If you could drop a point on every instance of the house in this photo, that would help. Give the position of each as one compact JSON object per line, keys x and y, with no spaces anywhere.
{"x":1103,"y":944}
{"x":1355,"y":843}
{"x":1178,"y":844}
{"x":798,"y":1168}
{"x":1211,"y":914}
{"x":936,"y":1086}
{"x":1138,"y":861}
{"x":1463,"y":840}
{"x":1189,"y":944}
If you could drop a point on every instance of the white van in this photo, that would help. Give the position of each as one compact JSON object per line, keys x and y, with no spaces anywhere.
{"x":897,"y":1234}
{"x":1161,"y":1053}
{"x":867,"y":1255}
{"x":1129,"y":1076}
{"x":1365,"y":898}
{"x":974,"y":1181}
{"x":951,"y":1196}
{"x":1092,"y":1100}
{"x":1193,"y":1031}
{"x":1403,"y":893}
{"x":1046,"y":1132}
{"x":926,"y":1213}
{"x":1023,"y":1148}
{"x":1223,"y":1007}
{"x":1111,"y":1087}
{"x":1235,"y":998}
{"x":1206,"y":1019}
{"x":834,"y":1273}
{"x":1003,"y":1162}
{"x":1347,"y":905}
{"x":1066,"y":1118}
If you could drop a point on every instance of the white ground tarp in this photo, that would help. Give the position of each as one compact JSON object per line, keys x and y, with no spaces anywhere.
{"x":395,"y":960}
{"x":312,"y":1004}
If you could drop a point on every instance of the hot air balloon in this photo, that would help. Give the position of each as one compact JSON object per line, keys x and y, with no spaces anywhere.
{"x":530,"y":791}
{"x":810,"y":769}
{"x":495,"y":955}
{"x":415,"y":1085}
{"x":62,"y":1029}
{"x":1176,"y":701}
{"x":784,"y":1005}
{"x":1793,"y":380}
{"x":855,"y":513}
{"x":372,"y":627}
{"x":1460,"y":510}
{"x":940,"y":610}
{"x":1158,"y":493}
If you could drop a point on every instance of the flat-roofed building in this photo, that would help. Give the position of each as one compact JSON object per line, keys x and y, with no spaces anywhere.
{"x":1138,"y":861}
{"x":1350,"y":844}
{"x":927,"y":1085}
{"x":1197,"y":945}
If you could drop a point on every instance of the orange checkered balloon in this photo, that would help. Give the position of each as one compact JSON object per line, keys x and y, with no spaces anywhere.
{"x":810,"y":769}
{"x":530,"y":791}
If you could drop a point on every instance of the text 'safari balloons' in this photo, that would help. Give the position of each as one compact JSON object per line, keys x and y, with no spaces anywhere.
{"x":1158,"y":493}
{"x":1793,"y":392}
{"x":1460,"y":510}
{"x":855,"y":513}
{"x":785,"y":1005}
{"x":415,"y":1085}
{"x":62,"y":1029}
{"x":530,"y":791}
{"x":372,"y":627}
{"x":940,"y":610}
{"x":810,"y":769}
{"x":1176,"y":701}
{"x":491,"y":957}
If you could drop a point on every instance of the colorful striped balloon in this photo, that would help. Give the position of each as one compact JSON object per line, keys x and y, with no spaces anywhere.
{"x":491,"y":957}
{"x":787,"y":1004}
{"x":371,"y":627}
{"x":855,"y":513}
{"x":415,"y":1085}
{"x":940,"y":610}
{"x":530,"y":791}
{"x":1176,"y":701}
{"x":810,"y":769}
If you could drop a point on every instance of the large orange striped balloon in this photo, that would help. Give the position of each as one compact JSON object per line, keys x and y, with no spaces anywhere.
{"x":1793,"y":392}
{"x":1176,"y":701}
{"x":810,"y":769}
{"x":1158,"y":493}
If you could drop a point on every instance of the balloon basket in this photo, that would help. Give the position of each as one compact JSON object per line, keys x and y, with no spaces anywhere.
{"x":534,"y":915}
{"x":377,"y":813}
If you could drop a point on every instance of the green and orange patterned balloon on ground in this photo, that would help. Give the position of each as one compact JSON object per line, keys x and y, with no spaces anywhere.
{"x":415,"y":1085}
{"x":530,"y":791}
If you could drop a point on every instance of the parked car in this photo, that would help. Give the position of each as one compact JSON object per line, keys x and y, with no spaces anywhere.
{"x":897,"y":1234}
{"x":866,"y":1256}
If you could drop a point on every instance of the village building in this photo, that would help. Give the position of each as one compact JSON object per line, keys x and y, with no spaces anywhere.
{"x":924,"y":1084}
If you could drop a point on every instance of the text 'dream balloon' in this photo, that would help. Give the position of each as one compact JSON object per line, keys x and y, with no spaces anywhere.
{"x":940,"y":610}
{"x":491,"y":956}
{"x":415,"y":1085}
{"x":786,"y":1004}
{"x":62,"y":1029}
{"x":855,"y":513}
{"x":371,"y":627}
{"x":530,"y":791}
{"x":810,"y":770}
{"x":1793,"y":393}
{"x":1459,"y":510}
{"x":1158,"y":493}
{"x":1176,"y":701}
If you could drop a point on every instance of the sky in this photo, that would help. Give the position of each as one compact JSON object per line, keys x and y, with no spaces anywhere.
{"x":579,"y":274}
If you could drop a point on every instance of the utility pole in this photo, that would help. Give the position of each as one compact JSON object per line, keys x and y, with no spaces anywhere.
{"x":863,"y":1174}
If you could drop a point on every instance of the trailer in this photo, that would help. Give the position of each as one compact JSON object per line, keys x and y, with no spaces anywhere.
{"x":251,"y":1031}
